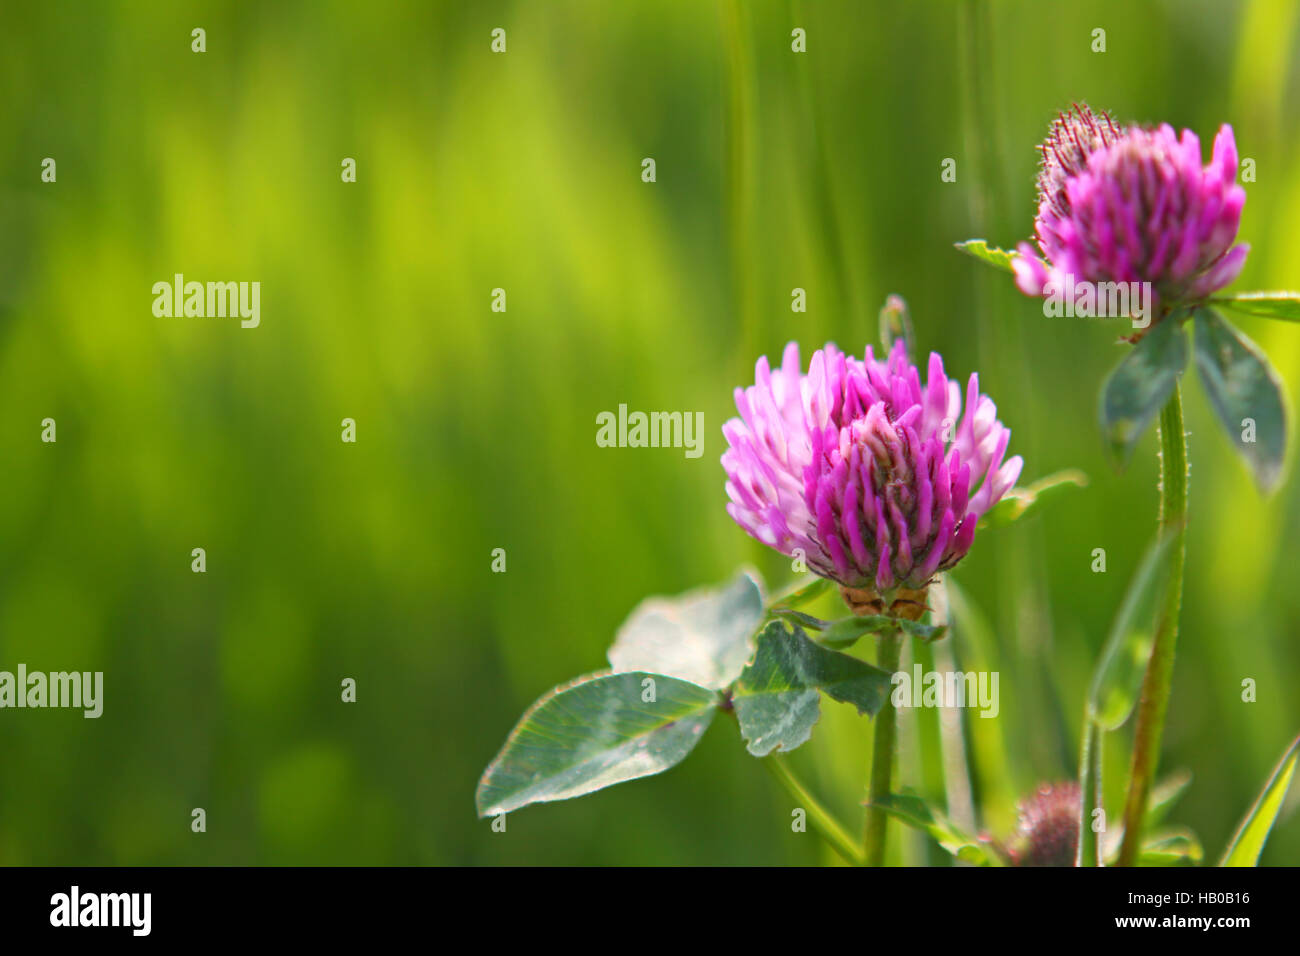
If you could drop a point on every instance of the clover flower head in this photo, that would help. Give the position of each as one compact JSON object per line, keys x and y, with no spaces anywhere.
{"x":1134,"y":205}
{"x":1047,"y":831}
{"x":877,"y":480}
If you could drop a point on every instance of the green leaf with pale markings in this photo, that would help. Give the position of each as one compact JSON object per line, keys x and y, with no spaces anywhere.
{"x":799,"y":617}
{"x":923,"y":632}
{"x":981,"y":250}
{"x":703,"y":636}
{"x":777,"y":698}
{"x":845,"y":632}
{"x":1273,"y":305}
{"x":1248,"y":843}
{"x":910,"y":809}
{"x":1140,"y":385}
{"x":599,"y":730}
{"x":1246,"y":395}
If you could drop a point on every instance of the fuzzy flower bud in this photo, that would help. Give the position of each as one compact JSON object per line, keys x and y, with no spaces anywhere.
{"x":1072,"y":137}
{"x":1047,"y":833}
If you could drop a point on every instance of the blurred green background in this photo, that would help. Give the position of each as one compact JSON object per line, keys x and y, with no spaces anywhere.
{"x":476,"y":429}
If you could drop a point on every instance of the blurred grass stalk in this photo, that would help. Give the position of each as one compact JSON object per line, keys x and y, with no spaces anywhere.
{"x":1001,"y":355}
{"x":952,"y":741}
{"x":822,"y":184}
{"x":740,"y":97}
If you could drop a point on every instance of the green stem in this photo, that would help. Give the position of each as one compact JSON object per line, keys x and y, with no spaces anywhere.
{"x":830,"y":830}
{"x":1160,"y":671}
{"x":1089,"y":792}
{"x":889,"y":648}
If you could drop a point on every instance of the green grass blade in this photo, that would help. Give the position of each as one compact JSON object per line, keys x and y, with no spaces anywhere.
{"x":1248,"y":843}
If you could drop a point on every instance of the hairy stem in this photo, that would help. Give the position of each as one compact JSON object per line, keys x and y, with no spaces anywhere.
{"x":1160,"y":671}
{"x":827,"y":827}
{"x":889,"y":647}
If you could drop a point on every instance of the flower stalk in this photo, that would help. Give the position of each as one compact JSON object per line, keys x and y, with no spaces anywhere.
{"x":822,"y":820}
{"x":888,"y":650}
{"x":1160,"y":670}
